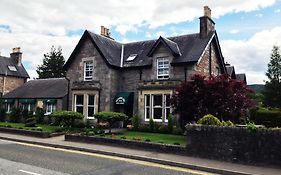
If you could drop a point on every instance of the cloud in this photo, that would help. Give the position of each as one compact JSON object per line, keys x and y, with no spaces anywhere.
{"x":234,"y":31}
{"x":277,"y":11}
{"x":260,"y":15}
{"x":252,"y":56}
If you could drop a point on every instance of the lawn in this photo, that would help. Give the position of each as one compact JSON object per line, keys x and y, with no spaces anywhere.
{"x":39,"y":127}
{"x":152,"y":137}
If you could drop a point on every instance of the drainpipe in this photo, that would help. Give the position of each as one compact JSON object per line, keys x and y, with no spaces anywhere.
{"x":67,"y":95}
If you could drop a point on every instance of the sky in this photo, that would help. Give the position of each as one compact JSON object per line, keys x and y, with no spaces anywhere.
{"x":247,"y":29}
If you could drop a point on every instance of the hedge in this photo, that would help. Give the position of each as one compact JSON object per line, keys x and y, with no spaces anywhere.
{"x":270,"y":117}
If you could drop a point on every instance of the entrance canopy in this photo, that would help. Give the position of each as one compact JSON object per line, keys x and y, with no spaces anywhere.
{"x":29,"y":101}
{"x":124,"y":98}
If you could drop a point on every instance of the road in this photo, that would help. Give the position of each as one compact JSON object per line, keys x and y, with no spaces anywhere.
{"x":23,"y":159}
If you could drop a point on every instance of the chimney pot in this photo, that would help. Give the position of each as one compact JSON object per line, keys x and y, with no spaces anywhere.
{"x":105,"y":32}
{"x":207,"y":25}
{"x":16,"y":50}
{"x":207,"y":11}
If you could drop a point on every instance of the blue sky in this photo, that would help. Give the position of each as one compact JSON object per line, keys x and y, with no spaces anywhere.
{"x":247,"y":29}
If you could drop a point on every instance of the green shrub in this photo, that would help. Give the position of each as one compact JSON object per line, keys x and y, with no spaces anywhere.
{"x":136,"y":122}
{"x":30,"y":122}
{"x":111,"y":117}
{"x":24,"y":114}
{"x":163,"y":129}
{"x":209,"y":120}
{"x":79,"y":123}
{"x":66,"y":118}
{"x":170,"y":123}
{"x":144,"y":128}
{"x":151,"y":125}
{"x":252,"y":127}
{"x":2,"y":115}
{"x":39,"y":115}
{"x":270,"y":117}
{"x":227,"y":123}
{"x":15,"y":115}
{"x":177,"y":131}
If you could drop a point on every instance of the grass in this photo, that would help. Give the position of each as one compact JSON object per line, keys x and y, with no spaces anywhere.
{"x":151,"y":137}
{"x":39,"y":127}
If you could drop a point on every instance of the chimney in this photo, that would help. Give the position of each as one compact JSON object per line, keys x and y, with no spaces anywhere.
{"x":16,"y":55}
{"x":207,"y":25}
{"x":105,"y":32}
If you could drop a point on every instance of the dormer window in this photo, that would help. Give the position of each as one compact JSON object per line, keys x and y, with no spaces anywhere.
{"x":88,"y":71}
{"x":131,"y":57}
{"x":162,"y":68}
{"x":12,"y":68}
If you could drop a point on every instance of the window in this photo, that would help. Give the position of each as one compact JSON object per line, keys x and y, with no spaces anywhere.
{"x":79,"y":99}
{"x":50,"y":108}
{"x":157,"y":107}
{"x":12,"y":68}
{"x":28,"y":106}
{"x":162,"y":68}
{"x":88,"y":71}
{"x":7,"y":107}
{"x":131,"y":57}
{"x":147,"y":111}
{"x":91,"y":106}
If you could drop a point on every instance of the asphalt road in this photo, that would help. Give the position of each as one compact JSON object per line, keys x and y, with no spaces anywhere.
{"x":23,"y":159}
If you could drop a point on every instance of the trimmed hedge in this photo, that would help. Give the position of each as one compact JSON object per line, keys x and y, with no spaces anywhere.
{"x":66,"y":118}
{"x":209,"y":120}
{"x":269,"y":117}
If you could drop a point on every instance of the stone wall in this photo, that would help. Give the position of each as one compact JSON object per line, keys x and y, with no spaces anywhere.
{"x":234,"y":144}
{"x":11,"y":83}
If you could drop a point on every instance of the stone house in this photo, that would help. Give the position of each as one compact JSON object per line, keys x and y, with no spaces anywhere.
{"x":12,"y":72}
{"x":139,"y":77}
{"x":49,"y":94}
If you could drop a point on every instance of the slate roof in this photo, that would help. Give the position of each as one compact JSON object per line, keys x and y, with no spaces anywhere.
{"x":4,"y":70}
{"x":241,"y":77}
{"x":41,"y":88}
{"x":188,"y":48}
{"x":231,"y":71}
{"x":171,"y":45}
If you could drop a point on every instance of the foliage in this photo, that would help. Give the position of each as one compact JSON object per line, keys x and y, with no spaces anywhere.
{"x":252,"y":127}
{"x":52,"y":66}
{"x":270,"y":117}
{"x":66,"y":118}
{"x":24,"y":114}
{"x":15,"y":115}
{"x":30,"y":122}
{"x":209,"y":120}
{"x":272,"y":92}
{"x":2,"y":114}
{"x":227,"y":123}
{"x":39,"y":115}
{"x":151,"y":125}
{"x":177,"y":131}
{"x":79,"y":123}
{"x":111,"y":117}
{"x":221,"y":96}
{"x":136,"y":122}
{"x":170,"y":123}
{"x":163,"y":129}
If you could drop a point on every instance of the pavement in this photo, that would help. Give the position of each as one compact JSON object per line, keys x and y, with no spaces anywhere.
{"x":195,"y":163}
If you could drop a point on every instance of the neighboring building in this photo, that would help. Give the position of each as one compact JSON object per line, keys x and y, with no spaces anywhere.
{"x":139,"y":77}
{"x":231,"y":72}
{"x":49,"y":94}
{"x":12,"y":72}
{"x":241,"y":77}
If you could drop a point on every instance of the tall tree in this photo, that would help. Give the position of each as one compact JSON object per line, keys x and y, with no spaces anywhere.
{"x":272,"y":92}
{"x":52,"y":66}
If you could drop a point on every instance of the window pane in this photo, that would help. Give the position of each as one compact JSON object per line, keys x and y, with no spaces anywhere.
{"x":168,"y":100}
{"x":147,"y":100}
{"x":147,"y":110}
{"x":157,"y":99}
{"x":157,"y":113}
{"x":91,"y":100}
{"x":168,"y":111}
{"x":79,"y":99}
{"x":79,"y":109}
{"x":91,"y":111}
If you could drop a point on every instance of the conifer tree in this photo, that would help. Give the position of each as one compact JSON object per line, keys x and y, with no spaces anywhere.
{"x":52,"y":66}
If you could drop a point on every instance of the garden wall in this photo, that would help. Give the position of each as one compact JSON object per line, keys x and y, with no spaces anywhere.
{"x":234,"y":144}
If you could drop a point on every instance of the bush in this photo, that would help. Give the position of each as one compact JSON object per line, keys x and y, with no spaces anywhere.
{"x":2,"y":115}
{"x":144,"y":128}
{"x":270,"y":117}
{"x":111,"y":117}
{"x":209,"y":120}
{"x":136,"y":122}
{"x":15,"y":115}
{"x":66,"y":118}
{"x":177,"y":131}
{"x":30,"y":122}
{"x":24,"y":114}
{"x":227,"y":123}
{"x":151,"y":125}
{"x":163,"y":129}
{"x":39,"y":115}
{"x":170,"y":123}
{"x":79,"y":124}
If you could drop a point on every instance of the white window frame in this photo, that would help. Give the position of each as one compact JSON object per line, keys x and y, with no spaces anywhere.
{"x":52,"y":107}
{"x":8,"y":107}
{"x":91,"y":117}
{"x":147,"y":107}
{"x":28,"y":105}
{"x":163,"y":76}
{"x":167,"y":107}
{"x":79,"y":105}
{"x":156,"y":107}
{"x":88,"y":67}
